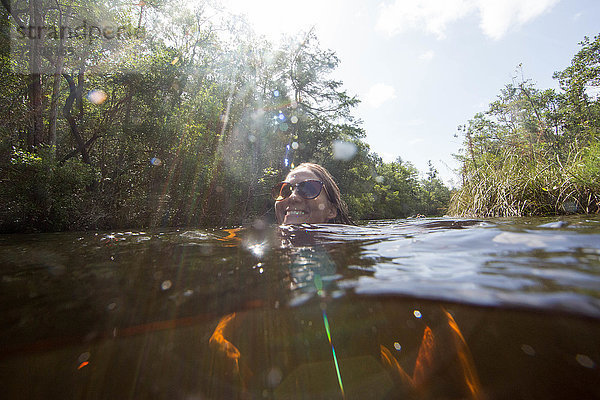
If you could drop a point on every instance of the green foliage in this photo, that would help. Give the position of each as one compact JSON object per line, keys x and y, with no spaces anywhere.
{"x":38,"y":193}
{"x":434,"y":196}
{"x":580,"y":82}
{"x":585,"y":170}
{"x":193,"y":123}
{"x":536,"y":152}
{"x":377,"y":190}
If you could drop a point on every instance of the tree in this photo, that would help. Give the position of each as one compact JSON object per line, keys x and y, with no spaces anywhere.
{"x":188,"y":118}
{"x":581,"y":85}
{"x":529,"y":153}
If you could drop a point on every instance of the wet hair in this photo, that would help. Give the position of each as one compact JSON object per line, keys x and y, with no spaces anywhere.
{"x":332,"y":191}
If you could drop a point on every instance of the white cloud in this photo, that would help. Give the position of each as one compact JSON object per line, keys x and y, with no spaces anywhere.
{"x":379,"y":94}
{"x":427,"y":56}
{"x":497,"y":17}
{"x":433,"y":16}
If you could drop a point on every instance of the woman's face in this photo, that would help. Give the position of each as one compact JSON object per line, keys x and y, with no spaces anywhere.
{"x":295,"y":209}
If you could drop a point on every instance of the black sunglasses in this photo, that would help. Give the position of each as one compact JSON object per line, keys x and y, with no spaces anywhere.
{"x":309,"y":189}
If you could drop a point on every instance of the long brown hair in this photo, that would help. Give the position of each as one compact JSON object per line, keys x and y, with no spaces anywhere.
{"x":332,"y":190}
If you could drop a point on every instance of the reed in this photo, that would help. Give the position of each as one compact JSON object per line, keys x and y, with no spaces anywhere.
{"x":522,"y":186}
{"x":535,"y":152}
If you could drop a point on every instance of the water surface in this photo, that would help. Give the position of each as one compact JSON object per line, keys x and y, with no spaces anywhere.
{"x":421,"y":308}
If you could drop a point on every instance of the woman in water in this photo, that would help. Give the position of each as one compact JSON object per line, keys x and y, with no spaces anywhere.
{"x":309,"y":195}
{"x":261,"y":351}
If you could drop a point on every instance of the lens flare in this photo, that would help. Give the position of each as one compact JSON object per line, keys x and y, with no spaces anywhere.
{"x":83,"y":357}
{"x":286,"y":160}
{"x":335,"y":361}
{"x":258,"y":114}
{"x":274,"y":377}
{"x":343,"y":150}
{"x":166,"y":285}
{"x":96,"y":96}
{"x":585,"y":361}
{"x":527,"y":349}
{"x":257,"y":249}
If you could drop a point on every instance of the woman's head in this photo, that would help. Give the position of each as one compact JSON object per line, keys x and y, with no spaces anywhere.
{"x":310,"y":195}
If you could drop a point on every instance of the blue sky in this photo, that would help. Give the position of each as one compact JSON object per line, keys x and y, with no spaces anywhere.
{"x":423,"y":67}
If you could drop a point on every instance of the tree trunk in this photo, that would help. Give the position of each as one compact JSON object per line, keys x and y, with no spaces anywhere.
{"x":72,"y":123}
{"x":4,"y":34}
{"x":35,"y":78}
{"x":56,"y":87}
{"x":79,"y":91}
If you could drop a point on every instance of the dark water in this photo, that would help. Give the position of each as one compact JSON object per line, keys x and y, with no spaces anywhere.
{"x":429,"y":308}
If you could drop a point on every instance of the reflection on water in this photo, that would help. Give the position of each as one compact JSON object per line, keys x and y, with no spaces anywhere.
{"x":421,"y":309}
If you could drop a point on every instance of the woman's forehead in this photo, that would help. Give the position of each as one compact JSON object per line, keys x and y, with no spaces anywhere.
{"x":300,"y":174}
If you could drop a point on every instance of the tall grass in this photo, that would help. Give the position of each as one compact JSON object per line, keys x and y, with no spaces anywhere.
{"x":523,"y":186}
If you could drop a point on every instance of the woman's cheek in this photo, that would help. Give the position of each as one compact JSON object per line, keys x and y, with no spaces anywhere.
{"x":279,"y":212}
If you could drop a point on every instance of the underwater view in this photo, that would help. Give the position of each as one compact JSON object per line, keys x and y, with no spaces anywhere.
{"x":392,"y":309}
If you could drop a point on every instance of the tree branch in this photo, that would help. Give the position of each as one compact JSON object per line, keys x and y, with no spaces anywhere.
{"x":72,"y":123}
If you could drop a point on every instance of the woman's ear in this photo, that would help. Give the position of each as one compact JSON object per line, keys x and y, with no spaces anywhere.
{"x":332,"y":212}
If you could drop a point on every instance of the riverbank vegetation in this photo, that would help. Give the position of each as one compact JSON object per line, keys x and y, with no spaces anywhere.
{"x":165,"y":114}
{"x":534,"y":151}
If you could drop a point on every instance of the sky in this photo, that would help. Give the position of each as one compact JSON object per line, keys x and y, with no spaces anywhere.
{"x":421,"y":68}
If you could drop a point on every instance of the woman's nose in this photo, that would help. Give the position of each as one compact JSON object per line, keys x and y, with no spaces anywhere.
{"x":295,"y":196}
